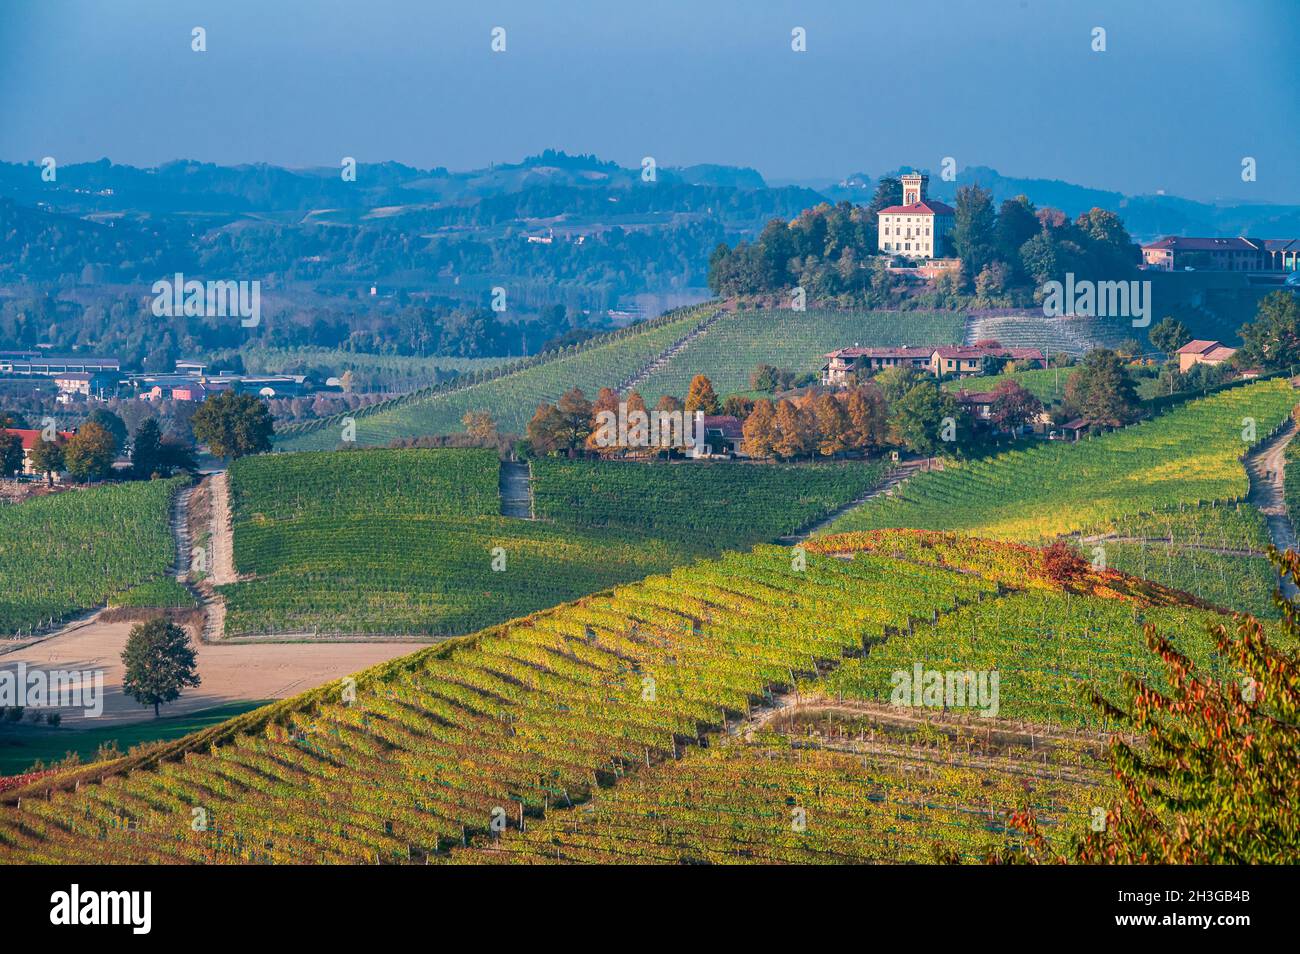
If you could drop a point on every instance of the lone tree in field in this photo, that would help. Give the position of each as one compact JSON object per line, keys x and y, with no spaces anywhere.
{"x":233,"y":425}
{"x":1101,"y":389}
{"x":159,"y":661}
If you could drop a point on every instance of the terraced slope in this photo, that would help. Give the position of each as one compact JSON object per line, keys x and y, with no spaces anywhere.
{"x":1187,"y":455}
{"x":462,"y":743}
{"x":737,"y":343}
{"x":500,"y":726}
{"x":1050,"y":335}
{"x":510,"y":398}
{"x":769,"y":803}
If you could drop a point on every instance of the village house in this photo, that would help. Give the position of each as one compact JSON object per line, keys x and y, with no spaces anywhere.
{"x":1202,"y":352}
{"x":724,"y":436}
{"x":979,"y":404}
{"x":920,"y":227}
{"x":74,"y":385}
{"x":29,"y":439}
{"x":969,"y":359}
{"x":1175,"y":253}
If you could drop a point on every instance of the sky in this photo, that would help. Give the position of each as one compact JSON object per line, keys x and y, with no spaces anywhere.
{"x":1183,"y":92}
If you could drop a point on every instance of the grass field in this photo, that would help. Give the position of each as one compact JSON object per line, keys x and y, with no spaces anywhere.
{"x":1047,"y":384}
{"x":405,"y":541}
{"x":512,"y":398}
{"x":69,"y":552}
{"x":1189,"y":454}
{"x":574,"y":723}
{"x":795,"y":341}
{"x":21,"y":747}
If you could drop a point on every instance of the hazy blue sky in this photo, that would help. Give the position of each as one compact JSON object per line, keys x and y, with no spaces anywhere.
{"x":1184,"y":91}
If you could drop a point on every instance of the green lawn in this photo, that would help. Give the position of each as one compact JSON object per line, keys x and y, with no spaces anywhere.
{"x":23,"y":746}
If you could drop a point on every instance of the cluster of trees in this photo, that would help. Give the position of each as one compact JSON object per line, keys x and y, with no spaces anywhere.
{"x":1272,"y":340}
{"x":1006,"y":252}
{"x":899,"y":408}
{"x":90,"y":453}
{"x":232,"y":425}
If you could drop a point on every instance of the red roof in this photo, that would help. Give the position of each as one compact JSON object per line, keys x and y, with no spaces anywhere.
{"x":975,"y":397}
{"x":906,"y":352}
{"x":729,"y":426}
{"x":29,"y":437}
{"x":970,"y":353}
{"x":928,"y":207}
{"x":1198,"y":346}
{"x":1185,"y":243}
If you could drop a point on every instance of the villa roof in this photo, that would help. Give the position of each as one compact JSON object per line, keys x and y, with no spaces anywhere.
{"x":927,"y":207}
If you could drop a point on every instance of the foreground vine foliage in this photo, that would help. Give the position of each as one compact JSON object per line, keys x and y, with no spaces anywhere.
{"x":1218,"y":779}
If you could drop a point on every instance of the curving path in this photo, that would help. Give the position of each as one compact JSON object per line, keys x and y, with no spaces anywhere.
{"x":1266,"y":468}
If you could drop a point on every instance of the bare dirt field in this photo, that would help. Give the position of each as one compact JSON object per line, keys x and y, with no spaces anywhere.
{"x":230,"y":673}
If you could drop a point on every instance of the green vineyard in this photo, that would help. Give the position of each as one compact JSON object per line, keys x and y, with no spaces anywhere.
{"x":796,"y":341}
{"x":69,"y":552}
{"x":1241,"y":583}
{"x":771,"y":804}
{"x":1185,"y":457}
{"x":729,"y":505}
{"x":412,"y":541}
{"x":512,"y":722}
{"x":512,"y":397}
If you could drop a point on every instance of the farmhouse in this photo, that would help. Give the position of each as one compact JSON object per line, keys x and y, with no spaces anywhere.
{"x":29,"y":439}
{"x":1202,"y":352}
{"x":843,"y":365}
{"x":969,"y":359}
{"x":846,"y":365}
{"x":920,"y":227}
{"x":978,"y":403}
